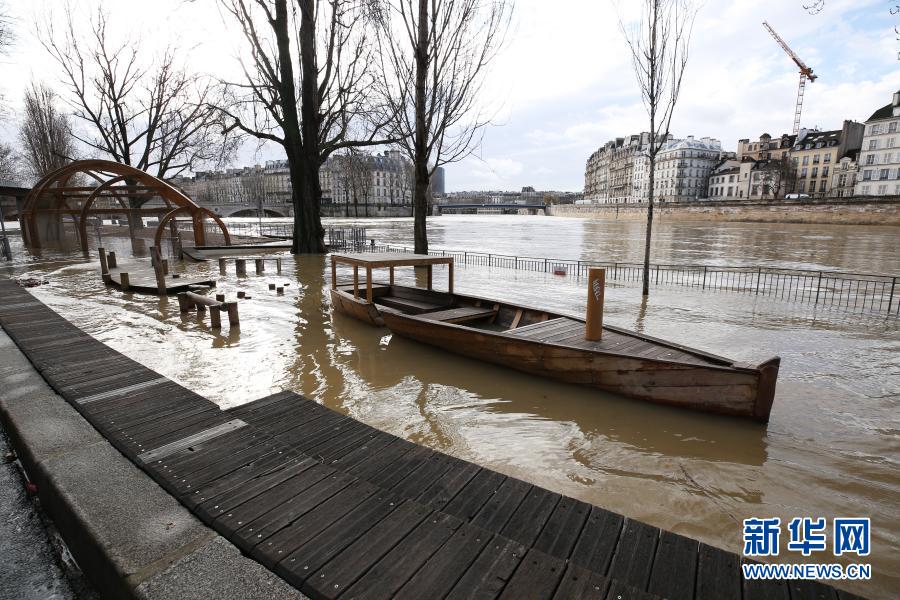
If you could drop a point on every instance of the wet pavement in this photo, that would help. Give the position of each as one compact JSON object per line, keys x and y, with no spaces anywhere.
{"x":30,"y":568}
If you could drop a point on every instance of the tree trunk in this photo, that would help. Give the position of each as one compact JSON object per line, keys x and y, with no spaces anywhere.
{"x":420,"y":200}
{"x":646,"y":279}
{"x":309,"y":235}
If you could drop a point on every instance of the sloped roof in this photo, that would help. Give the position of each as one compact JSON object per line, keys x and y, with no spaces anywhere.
{"x":885,"y":112}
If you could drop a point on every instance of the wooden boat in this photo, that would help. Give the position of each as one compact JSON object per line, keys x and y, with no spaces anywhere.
{"x":553,"y":344}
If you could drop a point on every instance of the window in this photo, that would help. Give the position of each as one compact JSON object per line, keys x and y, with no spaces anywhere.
{"x":842,"y":180}
{"x":876,"y":129}
{"x":822,"y":185}
{"x":731,"y":179}
{"x":802,"y":186}
{"x":865,"y":190}
{"x":890,"y":142}
{"x":824,"y":171}
{"x":816,"y":159}
{"x":802,"y":172}
{"x":754,"y":190}
{"x":867,"y":175}
{"x":806,"y":160}
{"x":873,"y":144}
{"x":826,"y":159}
{"x":892,"y":127}
{"x":887,"y":158}
{"x":882,"y":190}
{"x":815,"y":172}
{"x":730,"y":190}
{"x":883,"y":174}
{"x":870,"y":159}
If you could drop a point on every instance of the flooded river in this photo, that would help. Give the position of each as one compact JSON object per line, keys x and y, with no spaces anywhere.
{"x":831,"y":448}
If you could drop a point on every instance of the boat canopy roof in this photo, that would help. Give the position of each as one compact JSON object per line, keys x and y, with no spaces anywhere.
{"x":390,"y":259}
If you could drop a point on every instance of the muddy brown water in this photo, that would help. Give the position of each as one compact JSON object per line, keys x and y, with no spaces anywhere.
{"x":831,"y":448}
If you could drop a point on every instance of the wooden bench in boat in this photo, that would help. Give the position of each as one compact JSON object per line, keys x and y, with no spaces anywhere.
{"x":410,"y":305}
{"x":377,"y":288}
{"x":461,"y":314}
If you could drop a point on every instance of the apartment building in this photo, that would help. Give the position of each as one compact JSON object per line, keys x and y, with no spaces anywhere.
{"x":879,"y":157}
{"x":683,"y":168}
{"x":815,"y":154}
{"x":766,"y":148}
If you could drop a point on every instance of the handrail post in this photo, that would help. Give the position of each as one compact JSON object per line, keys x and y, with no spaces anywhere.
{"x":704,"y":278}
{"x":891,"y":297}
{"x":818,"y":286}
{"x":758,"y":274}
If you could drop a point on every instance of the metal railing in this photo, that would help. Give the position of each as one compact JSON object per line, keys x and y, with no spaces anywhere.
{"x":859,"y":292}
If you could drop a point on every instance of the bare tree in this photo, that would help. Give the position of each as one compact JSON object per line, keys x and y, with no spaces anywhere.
{"x":322,"y":44}
{"x":154,"y":115}
{"x":45,"y":132}
{"x":435,"y":56}
{"x":10,"y":165}
{"x":659,"y":46}
{"x":360,"y":170}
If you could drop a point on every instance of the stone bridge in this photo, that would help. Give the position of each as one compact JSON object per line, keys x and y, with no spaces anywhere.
{"x":249,"y":209}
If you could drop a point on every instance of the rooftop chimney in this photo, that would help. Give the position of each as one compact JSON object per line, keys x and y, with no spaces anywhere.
{"x":897,"y":98}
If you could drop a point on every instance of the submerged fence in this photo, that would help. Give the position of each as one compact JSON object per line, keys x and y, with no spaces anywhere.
{"x":849,"y":291}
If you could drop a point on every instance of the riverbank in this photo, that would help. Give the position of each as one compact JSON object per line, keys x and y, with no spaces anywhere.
{"x":830,"y":211}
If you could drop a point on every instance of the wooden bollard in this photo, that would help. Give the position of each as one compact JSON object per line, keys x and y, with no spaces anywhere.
{"x":124,"y":281}
{"x":215,"y":317}
{"x":279,"y":290}
{"x":111,"y":260}
{"x":260,"y":266}
{"x":240,"y":266}
{"x":184,"y":303}
{"x":271,"y":286}
{"x":158,"y":271}
{"x":593,"y":327}
{"x":233,"y":319}
{"x":241,"y":294}
{"x":220,"y":297}
{"x":104,"y":266}
{"x":222,"y":265}
{"x":278,"y":265}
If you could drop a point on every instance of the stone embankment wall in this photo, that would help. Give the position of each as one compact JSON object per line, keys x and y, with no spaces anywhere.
{"x":375,"y":210}
{"x":843,"y":211}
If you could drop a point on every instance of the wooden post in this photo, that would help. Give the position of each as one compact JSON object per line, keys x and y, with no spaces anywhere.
{"x":369,"y":285}
{"x":222,"y":265}
{"x":278,"y":265}
{"x":271,"y":286}
{"x":111,"y":260}
{"x":125,"y":281}
{"x":241,"y":294}
{"x":593,"y":327}
{"x":279,"y":290}
{"x":429,"y":270}
{"x":158,"y":271}
{"x":356,"y":281}
{"x":233,"y":319}
{"x":450,"y":271}
{"x":260,"y":266}
{"x":333,"y":273}
{"x":215,"y":317}
{"x":184,"y":303}
{"x":104,"y":266}
{"x":240,"y":266}
{"x":392,"y":275}
{"x":220,"y":297}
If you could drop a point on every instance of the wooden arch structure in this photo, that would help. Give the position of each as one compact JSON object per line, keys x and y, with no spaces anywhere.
{"x":95,"y":188}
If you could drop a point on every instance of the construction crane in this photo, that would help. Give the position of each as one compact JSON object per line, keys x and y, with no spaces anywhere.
{"x":805,"y":73}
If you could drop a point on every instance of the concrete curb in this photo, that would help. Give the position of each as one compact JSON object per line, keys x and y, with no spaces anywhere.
{"x":129,"y":536}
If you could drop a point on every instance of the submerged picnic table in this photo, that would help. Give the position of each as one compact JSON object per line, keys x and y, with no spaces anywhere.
{"x":340,"y":509}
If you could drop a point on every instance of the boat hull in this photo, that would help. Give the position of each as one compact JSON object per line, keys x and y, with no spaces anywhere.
{"x":737,"y":391}
{"x":357,"y":308}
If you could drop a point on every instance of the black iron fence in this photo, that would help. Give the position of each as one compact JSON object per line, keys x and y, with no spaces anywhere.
{"x":850,"y":291}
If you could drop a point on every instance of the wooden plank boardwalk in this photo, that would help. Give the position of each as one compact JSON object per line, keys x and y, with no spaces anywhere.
{"x":340,"y":509}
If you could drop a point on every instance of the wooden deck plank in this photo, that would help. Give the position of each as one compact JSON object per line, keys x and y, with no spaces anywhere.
{"x":718,"y":574}
{"x":528,"y":520}
{"x":445,"y":567}
{"x":581,"y":583}
{"x":560,"y":533}
{"x":498,"y":510}
{"x":475,"y":494}
{"x":674,"y":567}
{"x":490,"y":571}
{"x":634,"y":554}
{"x":598,"y":540}
{"x":538,"y":576}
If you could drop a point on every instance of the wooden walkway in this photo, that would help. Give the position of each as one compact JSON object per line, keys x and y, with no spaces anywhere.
{"x":340,"y":509}
{"x":141,"y":278}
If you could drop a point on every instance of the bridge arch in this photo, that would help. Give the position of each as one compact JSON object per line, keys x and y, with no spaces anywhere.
{"x":252,"y":212}
{"x":88,"y":188}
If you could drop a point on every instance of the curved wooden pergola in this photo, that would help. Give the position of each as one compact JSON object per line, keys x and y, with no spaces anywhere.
{"x":89,"y":188}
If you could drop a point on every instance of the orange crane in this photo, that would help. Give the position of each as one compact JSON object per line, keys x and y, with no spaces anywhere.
{"x":805,"y":73}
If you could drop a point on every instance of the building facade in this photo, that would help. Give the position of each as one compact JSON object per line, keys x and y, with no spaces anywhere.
{"x":845,"y":176}
{"x":766,"y":148}
{"x":618,"y":172}
{"x":815,"y":154}
{"x":879,"y":157}
{"x":683,"y":168}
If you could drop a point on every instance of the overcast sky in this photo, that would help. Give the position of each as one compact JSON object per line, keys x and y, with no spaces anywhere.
{"x":562,"y":86}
